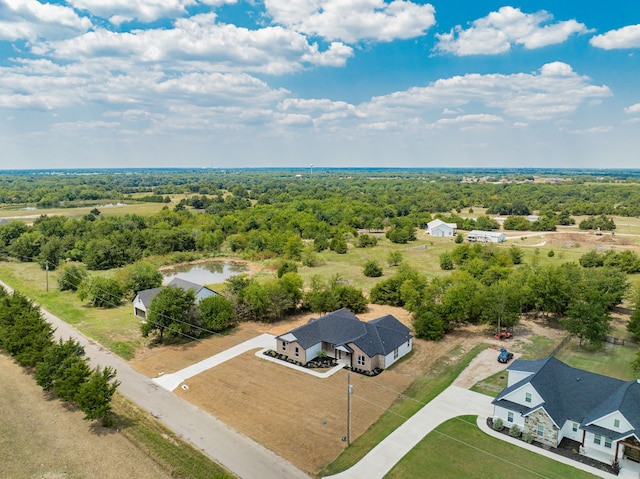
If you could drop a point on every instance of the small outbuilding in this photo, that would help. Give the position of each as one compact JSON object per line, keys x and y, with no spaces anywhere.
{"x":143,"y":299}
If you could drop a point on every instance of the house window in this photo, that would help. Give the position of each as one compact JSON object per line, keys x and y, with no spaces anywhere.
{"x":574,"y":428}
{"x":527,"y":397}
{"x":607,"y":442}
{"x":297,"y":351}
{"x":395,"y":353}
{"x":510,"y":416}
{"x":360,"y":360}
{"x":597,"y":439}
{"x":540,"y":430}
{"x":616,"y":423}
{"x":284,"y":345}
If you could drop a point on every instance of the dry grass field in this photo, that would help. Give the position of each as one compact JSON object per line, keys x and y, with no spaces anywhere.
{"x":42,"y":438}
{"x":300,"y":417}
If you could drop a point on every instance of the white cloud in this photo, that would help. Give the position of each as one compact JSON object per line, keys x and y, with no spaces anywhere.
{"x":353,"y":20}
{"x":30,"y":20}
{"x":471,"y":120}
{"x":120,"y":11}
{"x":498,"y":31}
{"x":633,"y":109}
{"x":625,"y":37}
{"x":199,"y":43}
{"x":591,"y":131}
{"x":555,"y":91}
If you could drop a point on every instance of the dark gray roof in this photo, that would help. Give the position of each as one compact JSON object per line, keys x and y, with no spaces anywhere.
{"x":147,"y":295}
{"x":186,"y":285}
{"x":575,"y":394}
{"x":380,"y":336}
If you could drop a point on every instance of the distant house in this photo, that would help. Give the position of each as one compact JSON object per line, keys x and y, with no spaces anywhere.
{"x":3,"y":221}
{"x":143,"y":299}
{"x":341,"y":335}
{"x":486,"y":236}
{"x":440,"y":228}
{"x":532,"y":218}
{"x":553,"y":401}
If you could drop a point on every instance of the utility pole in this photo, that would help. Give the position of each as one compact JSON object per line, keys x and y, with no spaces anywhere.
{"x":349,"y":393}
{"x":46,"y":266}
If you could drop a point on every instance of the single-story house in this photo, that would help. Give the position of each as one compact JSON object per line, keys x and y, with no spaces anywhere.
{"x":376,"y":344}
{"x":486,"y":236}
{"x":553,"y":401}
{"x":438,"y":227}
{"x":142,"y":301}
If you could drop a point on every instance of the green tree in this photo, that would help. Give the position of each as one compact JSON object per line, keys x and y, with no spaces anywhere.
{"x":100,"y":291}
{"x":101,"y":254}
{"x":428,"y":325}
{"x":517,"y":223}
{"x":71,"y":275}
{"x":372,"y":269}
{"x":140,"y":276}
{"x":633,"y":326}
{"x":216,"y":313}
{"x":446,"y":261}
{"x":172,"y":313}
{"x":56,"y":359}
{"x":94,"y":396}
{"x":394,"y":258}
{"x":338,"y":244}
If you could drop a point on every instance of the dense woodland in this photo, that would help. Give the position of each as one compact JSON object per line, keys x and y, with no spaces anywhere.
{"x":278,"y":215}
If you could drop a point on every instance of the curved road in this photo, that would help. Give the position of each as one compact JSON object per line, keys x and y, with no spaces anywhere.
{"x":236,"y":452}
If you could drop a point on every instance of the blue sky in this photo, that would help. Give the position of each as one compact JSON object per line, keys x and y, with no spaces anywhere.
{"x":336,"y":83}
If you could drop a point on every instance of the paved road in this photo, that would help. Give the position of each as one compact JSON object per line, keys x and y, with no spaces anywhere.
{"x":238,"y":453}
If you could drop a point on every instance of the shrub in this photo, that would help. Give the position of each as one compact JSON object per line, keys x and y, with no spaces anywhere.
{"x":497,"y":424}
{"x":515,"y":431}
{"x":551,"y":253}
{"x":527,"y":437}
{"x":372,"y":269}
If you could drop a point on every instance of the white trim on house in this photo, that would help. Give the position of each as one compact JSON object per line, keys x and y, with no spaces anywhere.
{"x":439,"y":228}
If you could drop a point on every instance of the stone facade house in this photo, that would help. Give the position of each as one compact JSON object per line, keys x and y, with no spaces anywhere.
{"x":341,"y":335}
{"x":553,"y":401}
{"x":143,"y":299}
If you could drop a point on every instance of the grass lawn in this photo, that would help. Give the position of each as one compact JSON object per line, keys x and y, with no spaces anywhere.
{"x":493,"y":385}
{"x":417,"y":395}
{"x":117,"y":329}
{"x":458,"y":449}
{"x":611,"y":360}
{"x":174,"y":455}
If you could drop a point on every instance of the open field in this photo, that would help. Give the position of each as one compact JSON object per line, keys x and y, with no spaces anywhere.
{"x":43,"y":438}
{"x":457,"y":448}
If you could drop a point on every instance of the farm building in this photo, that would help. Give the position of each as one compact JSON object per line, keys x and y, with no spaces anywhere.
{"x":486,"y":236}
{"x":440,"y":228}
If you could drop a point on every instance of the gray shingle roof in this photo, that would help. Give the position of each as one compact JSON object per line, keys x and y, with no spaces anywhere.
{"x":575,"y":394}
{"x":380,"y":336}
{"x":147,"y":295}
{"x":186,"y":285}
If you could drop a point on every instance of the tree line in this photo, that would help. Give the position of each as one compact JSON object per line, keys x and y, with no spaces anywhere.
{"x":60,"y":368}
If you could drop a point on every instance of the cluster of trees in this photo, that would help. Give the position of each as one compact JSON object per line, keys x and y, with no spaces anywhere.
{"x":627,"y":261}
{"x":487,"y":289}
{"x":60,"y":368}
{"x":602,"y":223}
{"x":107,"y":291}
{"x":174,"y":312}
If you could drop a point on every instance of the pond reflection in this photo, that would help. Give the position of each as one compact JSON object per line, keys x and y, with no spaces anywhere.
{"x":209,"y":272}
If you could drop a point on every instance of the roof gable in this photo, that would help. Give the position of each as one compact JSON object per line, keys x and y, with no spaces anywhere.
{"x":380,"y":336}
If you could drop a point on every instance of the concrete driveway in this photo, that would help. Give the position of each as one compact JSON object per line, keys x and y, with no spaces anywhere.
{"x":452,"y":402}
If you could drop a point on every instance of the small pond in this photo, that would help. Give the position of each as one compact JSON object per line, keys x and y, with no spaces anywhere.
{"x":209,"y":272}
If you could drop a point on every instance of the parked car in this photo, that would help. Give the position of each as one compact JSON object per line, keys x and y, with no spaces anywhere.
{"x":505,"y":356}
{"x":503,"y":335}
